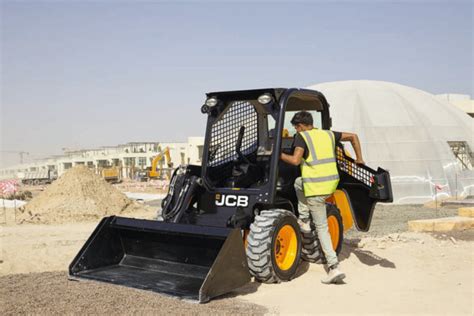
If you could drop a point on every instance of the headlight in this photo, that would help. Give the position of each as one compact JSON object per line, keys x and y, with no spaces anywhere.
{"x":211,"y":102}
{"x":265,"y":98}
{"x":204,"y":110}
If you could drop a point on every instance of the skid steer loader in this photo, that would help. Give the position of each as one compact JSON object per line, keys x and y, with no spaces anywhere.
{"x":234,"y":217}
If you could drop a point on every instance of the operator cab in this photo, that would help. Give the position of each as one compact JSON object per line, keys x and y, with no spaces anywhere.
{"x":244,"y":128}
{"x":242,"y":173}
{"x":238,"y":144}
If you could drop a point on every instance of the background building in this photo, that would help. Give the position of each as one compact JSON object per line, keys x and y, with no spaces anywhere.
{"x":130,"y":157}
{"x":462,"y":101}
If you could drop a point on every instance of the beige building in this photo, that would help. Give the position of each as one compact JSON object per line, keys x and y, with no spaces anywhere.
{"x":461,"y":101}
{"x":131,"y":157}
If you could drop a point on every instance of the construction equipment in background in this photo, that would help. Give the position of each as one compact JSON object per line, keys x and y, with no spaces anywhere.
{"x":38,"y":177}
{"x":142,"y":175}
{"x":157,"y":171}
{"x":236,"y":215}
{"x":112,"y":174}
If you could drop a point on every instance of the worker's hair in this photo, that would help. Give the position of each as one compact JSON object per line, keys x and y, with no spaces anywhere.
{"x":302,"y":117}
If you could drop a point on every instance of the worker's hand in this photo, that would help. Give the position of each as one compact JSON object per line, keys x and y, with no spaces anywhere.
{"x":359,"y":162}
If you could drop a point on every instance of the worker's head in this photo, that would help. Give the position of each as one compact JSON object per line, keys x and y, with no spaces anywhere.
{"x":302,"y":121}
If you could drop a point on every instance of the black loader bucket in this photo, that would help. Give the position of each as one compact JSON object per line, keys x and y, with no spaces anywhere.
{"x":188,"y":261}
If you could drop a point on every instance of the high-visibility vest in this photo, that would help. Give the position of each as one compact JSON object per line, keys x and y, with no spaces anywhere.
{"x":319,"y":170}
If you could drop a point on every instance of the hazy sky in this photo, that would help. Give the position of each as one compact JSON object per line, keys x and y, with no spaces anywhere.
{"x":86,"y":74}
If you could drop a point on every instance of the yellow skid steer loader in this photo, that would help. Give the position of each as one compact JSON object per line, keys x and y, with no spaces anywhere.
{"x":234,"y":217}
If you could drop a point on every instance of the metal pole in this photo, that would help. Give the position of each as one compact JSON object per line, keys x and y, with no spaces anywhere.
{"x":456,"y":177}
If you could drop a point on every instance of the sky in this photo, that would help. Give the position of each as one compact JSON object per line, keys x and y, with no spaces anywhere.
{"x":84,"y":74}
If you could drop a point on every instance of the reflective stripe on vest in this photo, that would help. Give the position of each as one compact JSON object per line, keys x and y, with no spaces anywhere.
{"x":319,"y":170}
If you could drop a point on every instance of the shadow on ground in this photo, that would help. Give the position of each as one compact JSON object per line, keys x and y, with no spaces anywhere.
{"x":365,"y":256}
{"x":253,"y":286}
{"x":248,"y":288}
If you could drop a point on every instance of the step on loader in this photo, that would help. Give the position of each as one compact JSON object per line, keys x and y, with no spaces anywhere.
{"x":234,"y":217}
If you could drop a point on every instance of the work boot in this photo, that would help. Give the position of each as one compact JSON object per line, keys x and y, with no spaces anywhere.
{"x":334,"y":276}
{"x":305,"y":226}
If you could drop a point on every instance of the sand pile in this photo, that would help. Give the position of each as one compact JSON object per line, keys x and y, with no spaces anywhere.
{"x":78,"y":195}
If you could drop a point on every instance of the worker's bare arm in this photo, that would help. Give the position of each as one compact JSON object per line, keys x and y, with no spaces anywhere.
{"x":294,"y":159}
{"x":354,"y":140}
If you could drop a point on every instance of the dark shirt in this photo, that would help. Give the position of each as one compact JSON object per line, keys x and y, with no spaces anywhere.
{"x":299,"y":142}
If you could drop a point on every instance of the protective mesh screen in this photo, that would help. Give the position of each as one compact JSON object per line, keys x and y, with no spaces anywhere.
{"x":224,"y":135}
{"x":348,"y":166}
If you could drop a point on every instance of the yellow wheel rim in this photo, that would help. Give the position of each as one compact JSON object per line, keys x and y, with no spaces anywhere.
{"x":246,"y":234}
{"x":286,"y":246}
{"x":333,"y":226}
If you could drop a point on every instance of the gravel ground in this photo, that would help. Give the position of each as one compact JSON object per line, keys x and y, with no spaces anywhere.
{"x":389,"y":219}
{"x":52,"y":293}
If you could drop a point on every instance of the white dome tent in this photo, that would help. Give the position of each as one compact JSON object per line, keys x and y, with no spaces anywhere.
{"x":409,"y":132}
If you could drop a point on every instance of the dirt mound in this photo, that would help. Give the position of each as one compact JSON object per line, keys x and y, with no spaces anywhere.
{"x":78,"y":195}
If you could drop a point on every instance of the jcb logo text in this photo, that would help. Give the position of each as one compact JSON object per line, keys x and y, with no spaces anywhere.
{"x":232,"y":200}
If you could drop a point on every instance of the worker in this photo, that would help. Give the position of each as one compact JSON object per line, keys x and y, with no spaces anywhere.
{"x":314,"y":151}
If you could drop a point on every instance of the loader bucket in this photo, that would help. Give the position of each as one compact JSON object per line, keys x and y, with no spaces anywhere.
{"x":188,"y":261}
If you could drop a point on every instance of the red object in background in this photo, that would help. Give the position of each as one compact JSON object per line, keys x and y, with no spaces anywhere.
{"x":8,"y":186}
{"x":438,"y":187}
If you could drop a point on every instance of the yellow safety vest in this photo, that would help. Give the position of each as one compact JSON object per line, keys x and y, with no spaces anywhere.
{"x":319,"y":170}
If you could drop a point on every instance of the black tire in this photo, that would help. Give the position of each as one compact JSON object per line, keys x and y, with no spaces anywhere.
{"x":332,"y":210}
{"x":261,"y":243}
{"x":311,"y":249}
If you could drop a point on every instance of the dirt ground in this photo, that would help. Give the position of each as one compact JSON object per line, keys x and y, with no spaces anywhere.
{"x":51,"y":293}
{"x":400,"y":274}
{"x":38,"y":248}
{"x":389,"y":271}
{"x":389,"y":218}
